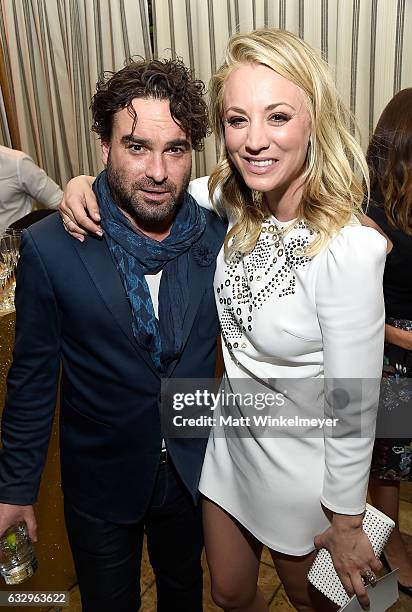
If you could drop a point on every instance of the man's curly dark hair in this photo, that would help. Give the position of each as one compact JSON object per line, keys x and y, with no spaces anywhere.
{"x":158,"y":79}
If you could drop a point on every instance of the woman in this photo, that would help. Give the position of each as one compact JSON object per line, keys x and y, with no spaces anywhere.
{"x":389,"y":159}
{"x":298,"y":289}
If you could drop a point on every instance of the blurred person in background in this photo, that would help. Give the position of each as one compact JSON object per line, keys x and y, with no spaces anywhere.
{"x":389,"y":158}
{"x":21,"y":182}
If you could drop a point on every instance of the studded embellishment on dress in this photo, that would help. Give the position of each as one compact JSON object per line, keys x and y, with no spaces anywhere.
{"x":251,"y":280}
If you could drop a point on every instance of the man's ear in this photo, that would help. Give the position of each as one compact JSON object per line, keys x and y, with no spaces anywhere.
{"x":105,"y":152}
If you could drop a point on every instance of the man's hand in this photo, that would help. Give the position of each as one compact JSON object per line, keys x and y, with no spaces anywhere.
{"x":79,"y":210}
{"x":351,"y":552}
{"x":11,"y":514}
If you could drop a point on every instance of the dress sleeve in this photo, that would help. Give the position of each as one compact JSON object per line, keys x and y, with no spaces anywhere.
{"x":350,"y":307}
{"x":35,"y":182}
{"x":199,"y":190}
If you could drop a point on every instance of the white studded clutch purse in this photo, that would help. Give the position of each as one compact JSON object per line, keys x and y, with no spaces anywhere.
{"x":322,"y":574}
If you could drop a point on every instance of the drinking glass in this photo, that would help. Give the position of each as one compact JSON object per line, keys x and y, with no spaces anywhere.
{"x":6,"y":271}
{"x":17,"y":559}
{"x":15,"y":243}
{"x":9,"y":256}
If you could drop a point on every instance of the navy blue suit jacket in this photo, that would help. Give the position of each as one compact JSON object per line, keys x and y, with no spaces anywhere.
{"x":73,"y":315}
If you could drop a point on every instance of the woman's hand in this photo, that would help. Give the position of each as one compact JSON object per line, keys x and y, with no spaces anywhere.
{"x":79,"y":209}
{"x":351,"y":552}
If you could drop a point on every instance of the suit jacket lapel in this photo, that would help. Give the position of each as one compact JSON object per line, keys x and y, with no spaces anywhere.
{"x":200,"y":278}
{"x":97,"y":259}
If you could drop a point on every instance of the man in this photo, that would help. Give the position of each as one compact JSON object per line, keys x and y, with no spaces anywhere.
{"x":119,"y":313}
{"x":21,"y":181}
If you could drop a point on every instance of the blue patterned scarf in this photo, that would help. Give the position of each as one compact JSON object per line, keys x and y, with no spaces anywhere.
{"x":136,"y":255}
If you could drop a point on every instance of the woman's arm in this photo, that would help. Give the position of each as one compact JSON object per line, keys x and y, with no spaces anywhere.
{"x":350,"y":307}
{"x":79,"y":209}
{"x":199,"y":189}
{"x":400,"y":337}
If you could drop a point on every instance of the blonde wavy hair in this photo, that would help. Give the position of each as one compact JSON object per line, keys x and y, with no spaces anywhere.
{"x":332,"y":193}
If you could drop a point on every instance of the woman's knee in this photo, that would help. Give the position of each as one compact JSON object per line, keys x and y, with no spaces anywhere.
{"x":230,"y":595}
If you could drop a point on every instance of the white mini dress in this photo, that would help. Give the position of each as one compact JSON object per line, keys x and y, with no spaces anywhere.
{"x":308,"y":319}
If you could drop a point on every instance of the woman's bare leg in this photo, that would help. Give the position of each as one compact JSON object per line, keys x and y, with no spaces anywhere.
{"x":385,"y":496}
{"x":233,"y":556}
{"x":293,"y":572}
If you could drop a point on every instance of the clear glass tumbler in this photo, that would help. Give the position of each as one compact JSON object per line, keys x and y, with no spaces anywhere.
{"x":17,"y":559}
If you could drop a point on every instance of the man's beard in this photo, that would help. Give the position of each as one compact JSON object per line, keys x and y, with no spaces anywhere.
{"x":149,"y":214}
